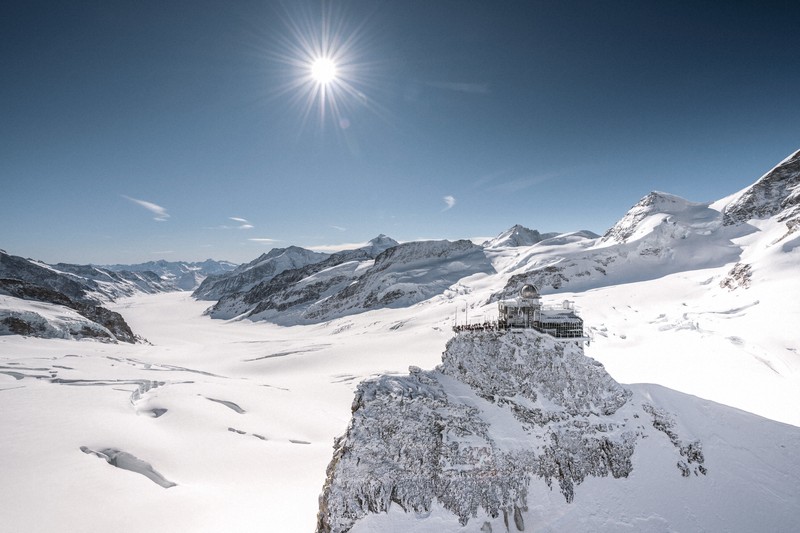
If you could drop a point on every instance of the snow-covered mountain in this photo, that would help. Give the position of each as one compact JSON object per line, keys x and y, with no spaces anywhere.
{"x":511,"y":415}
{"x":286,"y":297}
{"x":405,"y":275}
{"x":517,"y":235}
{"x":63,"y":301}
{"x":355,"y":281}
{"x":179,"y":275}
{"x":662,"y":234}
{"x":263,"y":268}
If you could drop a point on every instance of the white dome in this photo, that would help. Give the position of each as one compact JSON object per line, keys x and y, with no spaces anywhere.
{"x":529,"y":291}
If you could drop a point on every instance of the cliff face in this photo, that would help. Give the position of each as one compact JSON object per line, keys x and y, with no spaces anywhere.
{"x":504,"y":410}
{"x":775,"y":194}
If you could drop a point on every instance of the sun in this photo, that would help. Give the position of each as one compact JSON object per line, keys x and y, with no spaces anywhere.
{"x":323,"y":70}
{"x":324,"y":65}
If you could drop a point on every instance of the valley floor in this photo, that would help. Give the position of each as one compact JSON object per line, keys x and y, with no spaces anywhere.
{"x":251,"y":411}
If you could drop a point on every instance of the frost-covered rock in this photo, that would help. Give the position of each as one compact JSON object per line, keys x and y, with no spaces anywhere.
{"x":504,"y":410}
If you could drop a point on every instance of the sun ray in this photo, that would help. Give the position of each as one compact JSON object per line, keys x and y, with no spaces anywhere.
{"x":323,"y":67}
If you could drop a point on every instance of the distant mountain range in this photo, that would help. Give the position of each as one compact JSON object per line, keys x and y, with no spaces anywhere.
{"x":178,"y":275}
{"x":660,"y":235}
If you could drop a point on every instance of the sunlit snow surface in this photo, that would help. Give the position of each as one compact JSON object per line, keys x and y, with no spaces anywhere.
{"x":241,"y":416}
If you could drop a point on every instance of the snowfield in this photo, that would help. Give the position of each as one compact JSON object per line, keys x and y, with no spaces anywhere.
{"x":241,"y":416}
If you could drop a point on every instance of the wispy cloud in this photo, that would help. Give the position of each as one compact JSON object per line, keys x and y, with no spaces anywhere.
{"x":160,"y":214}
{"x":264,"y":240}
{"x":243,"y":223}
{"x":449,"y":202}
{"x":461,"y":87}
{"x":338,"y":228}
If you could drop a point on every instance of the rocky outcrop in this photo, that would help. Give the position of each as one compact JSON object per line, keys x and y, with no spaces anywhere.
{"x":775,"y":194}
{"x":739,"y":276}
{"x":102,"y":323}
{"x":504,"y":410}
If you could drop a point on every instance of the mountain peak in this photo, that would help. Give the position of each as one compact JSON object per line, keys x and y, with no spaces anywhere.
{"x":517,"y":235}
{"x":379,"y":244}
{"x":654,"y":203}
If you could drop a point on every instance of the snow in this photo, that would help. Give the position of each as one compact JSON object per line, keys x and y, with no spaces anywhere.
{"x":253,"y":471}
{"x":295,"y":386}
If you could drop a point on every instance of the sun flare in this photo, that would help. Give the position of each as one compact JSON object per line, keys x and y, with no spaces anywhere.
{"x":323,"y":70}
{"x":326,"y":70}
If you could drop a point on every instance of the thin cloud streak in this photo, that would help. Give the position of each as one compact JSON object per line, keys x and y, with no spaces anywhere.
{"x":243,"y":223}
{"x":264,"y":240}
{"x":160,"y":213}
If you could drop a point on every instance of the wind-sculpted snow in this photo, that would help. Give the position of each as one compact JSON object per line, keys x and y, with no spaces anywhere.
{"x":127,"y":461}
{"x":504,"y":410}
{"x":776,"y":193}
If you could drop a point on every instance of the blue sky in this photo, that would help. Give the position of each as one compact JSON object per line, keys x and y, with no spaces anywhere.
{"x":134,"y":131}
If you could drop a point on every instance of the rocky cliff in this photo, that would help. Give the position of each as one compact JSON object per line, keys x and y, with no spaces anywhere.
{"x":775,"y":194}
{"x":504,"y":410}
